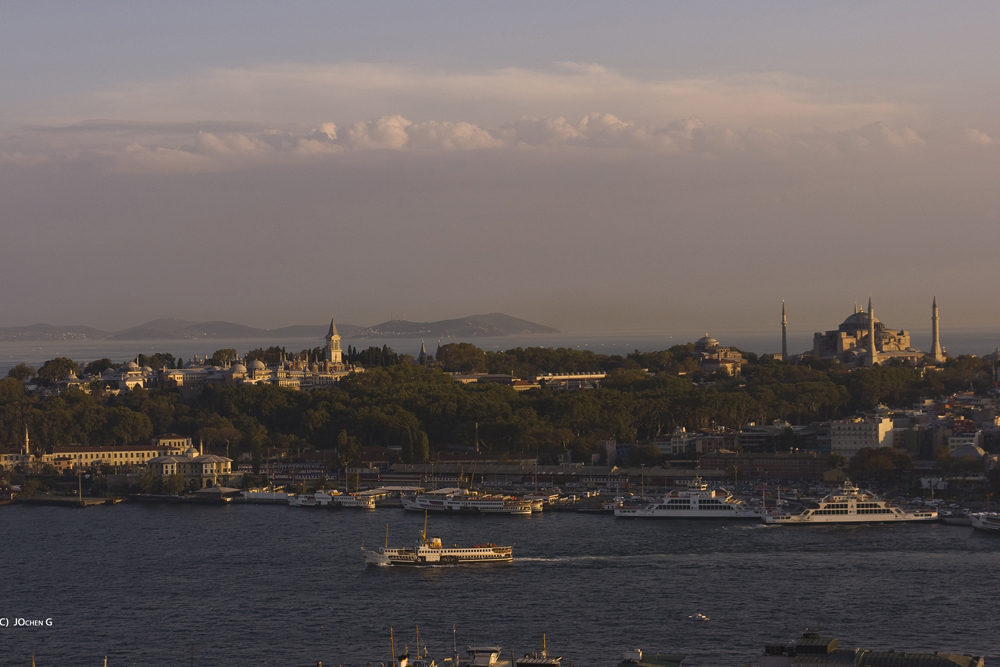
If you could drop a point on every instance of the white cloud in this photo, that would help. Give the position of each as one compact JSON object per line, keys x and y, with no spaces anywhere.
{"x":294,"y":93}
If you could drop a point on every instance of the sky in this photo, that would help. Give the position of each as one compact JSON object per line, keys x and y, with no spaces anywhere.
{"x":593,"y":166}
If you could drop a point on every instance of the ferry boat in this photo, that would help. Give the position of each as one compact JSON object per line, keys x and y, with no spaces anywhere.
{"x":986,"y":521}
{"x":323,"y":499}
{"x":430,"y":551}
{"x":355,"y":500}
{"x":698,"y":502}
{"x":849,"y":505}
{"x":465,"y":501}
{"x":318,"y":499}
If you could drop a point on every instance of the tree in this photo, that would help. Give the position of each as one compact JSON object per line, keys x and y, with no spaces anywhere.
{"x":29,"y":488}
{"x":348,"y":449}
{"x":150,"y":482}
{"x":99,"y":366}
{"x":158,"y":360}
{"x":173,"y":483}
{"x":223,"y":357}
{"x":836,"y":460}
{"x":56,"y":369}
{"x":21,"y":372}
{"x":462,"y":358}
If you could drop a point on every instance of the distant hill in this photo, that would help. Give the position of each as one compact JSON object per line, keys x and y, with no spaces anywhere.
{"x":473,"y":326}
{"x":493,"y":324}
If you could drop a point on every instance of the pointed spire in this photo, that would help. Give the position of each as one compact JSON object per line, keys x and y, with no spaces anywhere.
{"x":869,"y":304}
{"x":333,"y":329}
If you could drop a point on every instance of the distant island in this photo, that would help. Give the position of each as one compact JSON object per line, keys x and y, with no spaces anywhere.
{"x":473,"y":326}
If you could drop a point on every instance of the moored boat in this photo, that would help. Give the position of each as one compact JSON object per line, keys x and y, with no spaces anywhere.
{"x":698,"y":502}
{"x":849,"y":504}
{"x":464,"y":501}
{"x":985,"y":521}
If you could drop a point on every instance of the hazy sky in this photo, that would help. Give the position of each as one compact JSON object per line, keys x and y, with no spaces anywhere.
{"x":592,"y":166}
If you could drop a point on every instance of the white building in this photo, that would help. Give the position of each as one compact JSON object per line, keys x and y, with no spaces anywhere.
{"x":206,"y":470}
{"x":848,"y":436}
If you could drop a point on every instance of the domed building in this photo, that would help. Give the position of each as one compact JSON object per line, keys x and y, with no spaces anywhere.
{"x":864,"y":340}
{"x":712,"y":357}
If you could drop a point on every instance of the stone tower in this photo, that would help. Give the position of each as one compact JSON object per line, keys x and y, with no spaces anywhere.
{"x":784,"y":332}
{"x":872,"y":347}
{"x":333,"y":352}
{"x":936,"y":354}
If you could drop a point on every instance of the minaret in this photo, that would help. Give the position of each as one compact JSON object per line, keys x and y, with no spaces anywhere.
{"x":872,"y":351}
{"x":784,"y":332}
{"x":27,"y":444}
{"x":333,"y":352}
{"x":936,"y":353}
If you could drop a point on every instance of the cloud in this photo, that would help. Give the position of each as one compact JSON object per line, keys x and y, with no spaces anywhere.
{"x":293,"y":93}
{"x":164,"y":148}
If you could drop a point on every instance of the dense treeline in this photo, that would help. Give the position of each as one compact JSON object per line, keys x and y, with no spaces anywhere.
{"x":421,"y":409}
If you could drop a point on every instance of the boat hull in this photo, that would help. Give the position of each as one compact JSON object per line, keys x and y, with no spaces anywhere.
{"x":467,"y":507}
{"x":798,"y":520}
{"x":626,"y":513}
{"x":432,"y":558}
{"x":988,"y":522}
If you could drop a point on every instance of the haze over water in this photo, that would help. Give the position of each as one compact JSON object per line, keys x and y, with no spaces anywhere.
{"x":272,"y":585}
{"x":979,"y":342}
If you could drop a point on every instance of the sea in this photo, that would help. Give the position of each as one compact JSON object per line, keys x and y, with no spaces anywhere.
{"x":245,"y":585}
{"x":967,"y":341}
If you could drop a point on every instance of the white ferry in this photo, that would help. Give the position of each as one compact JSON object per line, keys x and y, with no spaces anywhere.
{"x":699,"y":502}
{"x":849,"y":505}
{"x":323,"y":499}
{"x":355,"y":500}
{"x":318,"y":499}
{"x":430,"y":551}
{"x":987,"y":521}
{"x":460,"y":500}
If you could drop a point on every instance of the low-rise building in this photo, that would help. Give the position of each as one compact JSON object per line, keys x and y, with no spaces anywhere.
{"x":849,"y":436}
{"x":778,"y":465}
{"x":199,"y":470}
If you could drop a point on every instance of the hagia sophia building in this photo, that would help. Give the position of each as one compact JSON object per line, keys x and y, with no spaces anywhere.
{"x":851,"y":342}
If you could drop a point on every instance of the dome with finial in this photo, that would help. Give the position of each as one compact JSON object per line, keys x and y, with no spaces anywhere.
{"x":706,"y":342}
{"x":257,"y":365}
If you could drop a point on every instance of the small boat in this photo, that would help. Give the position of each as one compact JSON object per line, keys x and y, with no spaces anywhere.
{"x":430,"y":551}
{"x":985,"y":521}
{"x":698,"y":617}
{"x":539,"y":658}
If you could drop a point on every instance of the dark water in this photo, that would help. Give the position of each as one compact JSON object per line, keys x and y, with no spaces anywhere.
{"x":266,"y":585}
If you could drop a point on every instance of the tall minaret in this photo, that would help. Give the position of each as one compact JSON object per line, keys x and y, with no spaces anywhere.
{"x":784,"y":332}
{"x":872,"y":351}
{"x":333,"y":352}
{"x":936,"y":353}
